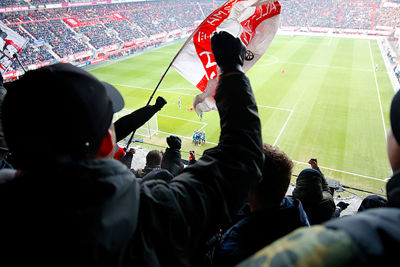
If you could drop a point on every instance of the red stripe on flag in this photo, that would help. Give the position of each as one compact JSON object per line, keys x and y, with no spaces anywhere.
{"x":203,"y":46}
{"x":202,"y":84}
{"x":261,"y":14}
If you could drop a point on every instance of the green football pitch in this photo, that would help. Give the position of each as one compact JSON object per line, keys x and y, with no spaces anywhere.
{"x":329,"y":103}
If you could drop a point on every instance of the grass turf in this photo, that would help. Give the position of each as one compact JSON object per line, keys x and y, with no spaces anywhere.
{"x":325,"y":105}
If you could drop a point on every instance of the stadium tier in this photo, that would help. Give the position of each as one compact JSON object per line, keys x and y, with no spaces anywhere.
{"x":82,"y":31}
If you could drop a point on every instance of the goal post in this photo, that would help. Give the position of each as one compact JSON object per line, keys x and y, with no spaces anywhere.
{"x":149,"y":128}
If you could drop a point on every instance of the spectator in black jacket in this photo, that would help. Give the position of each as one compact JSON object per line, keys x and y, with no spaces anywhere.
{"x":71,"y":205}
{"x":314,"y":193}
{"x":171,"y":159}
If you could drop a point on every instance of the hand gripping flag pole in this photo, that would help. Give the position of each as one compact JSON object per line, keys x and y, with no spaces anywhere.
{"x":15,"y":56}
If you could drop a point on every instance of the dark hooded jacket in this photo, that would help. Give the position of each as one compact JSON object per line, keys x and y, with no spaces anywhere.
{"x":171,"y":161}
{"x":314,"y":193}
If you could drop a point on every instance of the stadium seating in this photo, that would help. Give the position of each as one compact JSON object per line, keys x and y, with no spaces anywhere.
{"x":93,"y":27}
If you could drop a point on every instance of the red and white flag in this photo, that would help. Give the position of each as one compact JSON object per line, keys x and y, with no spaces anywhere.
{"x":11,"y":43}
{"x":255,"y":22}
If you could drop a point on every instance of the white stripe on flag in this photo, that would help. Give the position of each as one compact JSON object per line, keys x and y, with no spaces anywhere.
{"x":255,"y":22}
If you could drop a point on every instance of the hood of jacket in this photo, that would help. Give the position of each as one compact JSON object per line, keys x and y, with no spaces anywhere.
{"x":393,"y":190}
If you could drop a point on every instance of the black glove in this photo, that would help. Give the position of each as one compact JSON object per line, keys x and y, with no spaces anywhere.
{"x":160,"y":103}
{"x":229,"y":52}
{"x":174,"y":142}
{"x":342,"y":205}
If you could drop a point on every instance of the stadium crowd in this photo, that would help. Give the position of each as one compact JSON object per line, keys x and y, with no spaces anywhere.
{"x":99,"y":26}
{"x":89,"y":205}
{"x":339,"y":14}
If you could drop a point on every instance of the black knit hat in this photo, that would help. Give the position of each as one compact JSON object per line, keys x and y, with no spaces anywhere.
{"x":372,"y":201}
{"x":60,"y":110}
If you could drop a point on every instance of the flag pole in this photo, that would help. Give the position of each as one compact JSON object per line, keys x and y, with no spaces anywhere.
{"x":148,"y":102}
{"x":15,"y":57}
{"x":162,"y":78}
{"x":19,"y":62}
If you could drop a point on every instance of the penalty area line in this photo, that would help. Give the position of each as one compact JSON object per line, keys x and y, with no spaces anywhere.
{"x":149,"y":89}
{"x":201,"y":122}
{"x":283,"y":128}
{"x":377,"y":91}
{"x":345,"y":172}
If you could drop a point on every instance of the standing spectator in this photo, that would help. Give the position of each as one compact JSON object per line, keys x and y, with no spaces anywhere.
{"x":171,"y":159}
{"x":271,"y":214}
{"x":314,"y":193}
{"x":71,"y":205}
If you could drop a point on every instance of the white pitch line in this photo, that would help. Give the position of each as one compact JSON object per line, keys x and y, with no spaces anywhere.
{"x":283,"y":128}
{"x":377,"y":90}
{"x":179,"y":93}
{"x":285,"y":109}
{"x":149,"y":89}
{"x":324,"y":66}
{"x":180,"y":88}
{"x":263,"y":63}
{"x":351,"y":173}
{"x":204,"y":123}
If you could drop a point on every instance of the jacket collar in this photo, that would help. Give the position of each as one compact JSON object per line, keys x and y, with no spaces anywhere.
{"x":393,"y":190}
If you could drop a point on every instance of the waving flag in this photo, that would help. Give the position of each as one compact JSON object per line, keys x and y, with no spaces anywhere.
{"x":255,"y":22}
{"x":11,"y":43}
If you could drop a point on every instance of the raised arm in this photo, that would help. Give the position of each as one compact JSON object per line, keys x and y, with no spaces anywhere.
{"x":207,"y":193}
{"x":131,"y":122}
